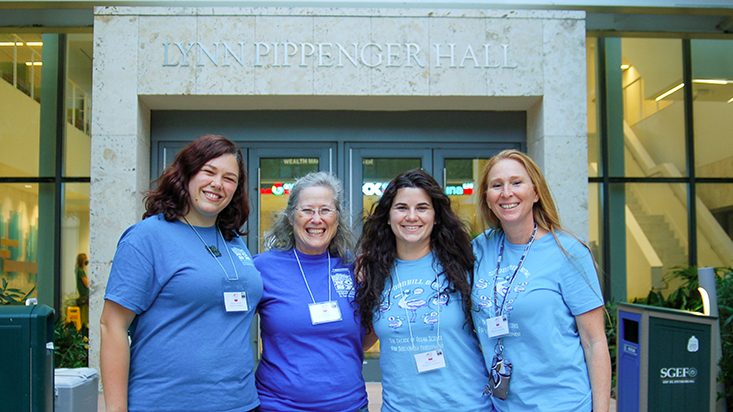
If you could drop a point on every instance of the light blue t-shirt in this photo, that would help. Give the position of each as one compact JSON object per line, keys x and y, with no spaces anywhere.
{"x":549,"y":369}
{"x":307,"y":367}
{"x":413,"y":307}
{"x":187,"y":353}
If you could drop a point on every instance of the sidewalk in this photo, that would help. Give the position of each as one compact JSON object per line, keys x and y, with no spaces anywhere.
{"x":374,"y":391}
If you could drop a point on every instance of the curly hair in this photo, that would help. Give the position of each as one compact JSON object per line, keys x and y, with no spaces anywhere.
{"x":171,"y":197}
{"x":280,"y":235}
{"x":449,"y":240}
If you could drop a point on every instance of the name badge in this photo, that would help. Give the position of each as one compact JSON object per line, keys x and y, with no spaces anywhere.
{"x":497,"y":326}
{"x":429,"y":361}
{"x":235,"y":301}
{"x":324,"y":312}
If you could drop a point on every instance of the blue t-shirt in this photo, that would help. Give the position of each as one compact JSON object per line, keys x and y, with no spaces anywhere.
{"x":307,"y":367}
{"x":413,"y":307}
{"x":187,"y":353}
{"x":543,"y":345}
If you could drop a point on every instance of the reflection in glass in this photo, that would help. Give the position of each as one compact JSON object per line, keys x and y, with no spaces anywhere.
{"x":19,"y":235}
{"x":20,"y":109}
{"x":277,"y":176}
{"x":594,"y":154}
{"x":654,"y":138}
{"x":74,"y":240}
{"x":656,"y":237}
{"x":77,"y":146}
{"x":462,"y":177}
{"x":715,"y":224}
{"x":712,"y":85}
{"x":377,"y":173}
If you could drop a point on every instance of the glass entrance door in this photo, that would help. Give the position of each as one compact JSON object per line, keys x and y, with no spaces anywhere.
{"x":272,"y":172}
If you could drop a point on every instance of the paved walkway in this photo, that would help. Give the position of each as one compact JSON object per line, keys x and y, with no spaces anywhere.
{"x":374,"y":391}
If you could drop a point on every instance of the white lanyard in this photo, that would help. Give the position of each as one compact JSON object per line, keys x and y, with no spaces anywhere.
{"x":306,"y":280}
{"x":409,"y":327}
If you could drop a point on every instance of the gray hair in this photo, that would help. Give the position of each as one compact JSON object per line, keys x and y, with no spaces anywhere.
{"x":280,"y":235}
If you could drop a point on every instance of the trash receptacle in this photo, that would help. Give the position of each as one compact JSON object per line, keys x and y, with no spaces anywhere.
{"x":665,"y":359}
{"x":26,"y":369}
{"x":77,"y":390}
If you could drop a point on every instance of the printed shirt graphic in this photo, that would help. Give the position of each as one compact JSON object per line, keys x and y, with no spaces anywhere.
{"x":543,"y":344}
{"x":414,"y":303}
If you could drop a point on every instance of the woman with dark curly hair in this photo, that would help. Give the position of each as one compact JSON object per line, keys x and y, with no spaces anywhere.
{"x":183,"y":284}
{"x":415,"y":277}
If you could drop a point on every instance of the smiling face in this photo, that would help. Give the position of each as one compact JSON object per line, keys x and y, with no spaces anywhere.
{"x":211,"y":189}
{"x":412,"y":218}
{"x":313,"y":234}
{"x":511,"y":196}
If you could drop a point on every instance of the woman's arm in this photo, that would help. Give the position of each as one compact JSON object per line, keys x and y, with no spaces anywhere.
{"x":593,"y":338}
{"x":115,"y":354}
{"x":369,"y":340}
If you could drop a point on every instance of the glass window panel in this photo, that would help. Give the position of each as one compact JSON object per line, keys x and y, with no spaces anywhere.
{"x":594,"y":153}
{"x":656,"y":235}
{"x":276,"y":178}
{"x":715,"y":224}
{"x":377,"y":173}
{"x":654,"y":139}
{"x":19,"y":236}
{"x":712,"y":85}
{"x":75,"y":249}
{"x":462,"y":176}
{"x":595,"y":209}
{"x":77,"y":145}
{"x":20,"y":108}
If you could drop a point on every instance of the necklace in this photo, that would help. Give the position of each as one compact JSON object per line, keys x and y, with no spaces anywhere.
{"x":215,"y":252}
{"x":211,"y":249}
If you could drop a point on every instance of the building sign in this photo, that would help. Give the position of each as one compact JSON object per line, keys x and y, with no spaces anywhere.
{"x":378,"y":188}
{"x":368,"y":54}
{"x":277,"y":189}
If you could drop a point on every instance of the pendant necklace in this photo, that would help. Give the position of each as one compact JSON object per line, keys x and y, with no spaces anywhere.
{"x":215,"y":252}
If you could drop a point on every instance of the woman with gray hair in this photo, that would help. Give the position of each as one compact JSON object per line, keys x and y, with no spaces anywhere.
{"x":312,"y":344}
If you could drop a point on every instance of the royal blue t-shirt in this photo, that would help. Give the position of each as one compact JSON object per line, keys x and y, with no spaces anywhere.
{"x":187,"y":353}
{"x":307,"y":367}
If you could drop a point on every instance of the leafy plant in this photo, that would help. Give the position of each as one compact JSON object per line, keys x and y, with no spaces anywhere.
{"x":724,"y":284}
{"x":71,"y":345}
{"x":12,"y":296}
{"x":611,"y":332}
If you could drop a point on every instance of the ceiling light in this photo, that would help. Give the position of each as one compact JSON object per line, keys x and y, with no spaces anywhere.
{"x":731,"y":100}
{"x":28,"y":186}
{"x":625,"y":66}
{"x":34,"y":43}
{"x":11,"y":43}
{"x":34,"y":63}
{"x":710,"y":81}
{"x":672,"y":90}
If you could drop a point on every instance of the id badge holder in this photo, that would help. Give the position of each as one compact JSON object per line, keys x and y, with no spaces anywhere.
{"x":430,"y":360}
{"x":499,"y":375}
{"x":497,"y":326}
{"x":235,"y":295}
{"x":324,"y":312}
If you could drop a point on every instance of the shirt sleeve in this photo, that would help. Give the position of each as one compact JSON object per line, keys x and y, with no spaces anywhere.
{"x":579,"y":284}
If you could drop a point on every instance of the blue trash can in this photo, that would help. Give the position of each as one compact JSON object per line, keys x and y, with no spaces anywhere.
{"x":665,"y":360}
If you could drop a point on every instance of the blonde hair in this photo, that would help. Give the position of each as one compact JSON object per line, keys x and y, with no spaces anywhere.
{"x":544,"y":211}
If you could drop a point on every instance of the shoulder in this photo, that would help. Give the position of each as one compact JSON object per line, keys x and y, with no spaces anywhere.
{"x":270,"y":255}
{"x":574,"y":245}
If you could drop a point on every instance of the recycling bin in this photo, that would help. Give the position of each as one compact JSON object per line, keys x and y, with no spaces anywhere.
{"x":665,"y":359}
{"x":26,"y":369}
{"x":76,"y":390}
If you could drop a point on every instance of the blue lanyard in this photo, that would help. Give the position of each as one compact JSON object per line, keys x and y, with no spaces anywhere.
{"x":511,"y":281}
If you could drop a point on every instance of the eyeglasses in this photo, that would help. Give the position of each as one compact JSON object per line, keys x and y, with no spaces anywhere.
{"x":322,"y":212}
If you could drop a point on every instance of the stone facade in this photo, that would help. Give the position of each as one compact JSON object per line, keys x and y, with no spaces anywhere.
{"x":387,"y":59}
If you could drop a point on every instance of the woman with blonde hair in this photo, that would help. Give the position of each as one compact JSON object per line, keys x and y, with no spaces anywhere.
{"x":540,"y":308}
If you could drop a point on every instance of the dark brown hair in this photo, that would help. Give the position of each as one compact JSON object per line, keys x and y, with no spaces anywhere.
{"x":171,"y":197}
